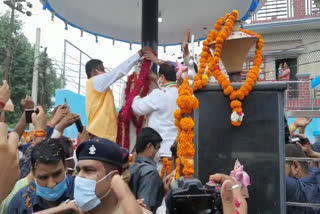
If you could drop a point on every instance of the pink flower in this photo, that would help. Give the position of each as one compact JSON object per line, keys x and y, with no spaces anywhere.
{"x":240,"y":175}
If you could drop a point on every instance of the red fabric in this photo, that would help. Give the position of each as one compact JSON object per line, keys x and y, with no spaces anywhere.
{"x":126,"y":114}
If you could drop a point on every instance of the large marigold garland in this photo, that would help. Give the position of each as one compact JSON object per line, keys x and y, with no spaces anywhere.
{"x":209,"y":67}
{"x":184,"y":123}
{"x":126,"y":114}
{"x":211,"y":63}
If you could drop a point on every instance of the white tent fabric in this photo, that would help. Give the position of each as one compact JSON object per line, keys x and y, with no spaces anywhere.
{"x":121,"y":19}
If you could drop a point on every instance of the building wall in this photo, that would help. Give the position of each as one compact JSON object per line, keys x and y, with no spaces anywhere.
{"x":307,"y":62}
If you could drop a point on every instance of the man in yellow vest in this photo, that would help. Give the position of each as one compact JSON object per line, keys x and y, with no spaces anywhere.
{"x":100,"y":108}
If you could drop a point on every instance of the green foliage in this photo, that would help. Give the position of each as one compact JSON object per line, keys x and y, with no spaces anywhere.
{"x":21,"y":69}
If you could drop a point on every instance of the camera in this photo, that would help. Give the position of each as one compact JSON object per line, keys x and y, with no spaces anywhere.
{"x":191,"y":197}
{"x":294,"y":140}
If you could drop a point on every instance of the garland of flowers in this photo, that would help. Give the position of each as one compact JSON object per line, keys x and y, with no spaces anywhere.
{"x":187,"y":102}
{"x":177,"y":168}
{"x":201,"y":79}
{"x":184,"y":123}
{"x":166,"y":166}
{"x":126,"y":114}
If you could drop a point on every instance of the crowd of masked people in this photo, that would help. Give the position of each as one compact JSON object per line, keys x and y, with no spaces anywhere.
{"x":51,"y":176}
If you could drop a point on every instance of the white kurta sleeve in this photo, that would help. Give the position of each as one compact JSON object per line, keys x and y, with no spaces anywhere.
{"x":103,"y":81}
{"x":146,"y":105}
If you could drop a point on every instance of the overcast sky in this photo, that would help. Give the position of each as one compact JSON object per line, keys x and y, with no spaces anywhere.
{"x":53,"y":34}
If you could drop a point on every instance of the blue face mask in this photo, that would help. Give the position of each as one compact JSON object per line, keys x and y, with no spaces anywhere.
{"x":51,"y":194}
{"x":85,"y":193}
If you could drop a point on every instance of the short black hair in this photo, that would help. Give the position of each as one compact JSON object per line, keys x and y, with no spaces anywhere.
{"x":168,"y":72}
{"x":48,"y":151}
{"x":93,"y":64}
{"x":66,"y":144}
{"x":147,"y":135}
{"x":293,"y":150}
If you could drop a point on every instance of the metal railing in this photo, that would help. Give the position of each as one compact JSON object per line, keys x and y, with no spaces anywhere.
{"x":300,"y":96}
{"x":284,"y":9}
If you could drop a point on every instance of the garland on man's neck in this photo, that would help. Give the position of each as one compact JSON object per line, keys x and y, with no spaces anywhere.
{"x":126,"y":113}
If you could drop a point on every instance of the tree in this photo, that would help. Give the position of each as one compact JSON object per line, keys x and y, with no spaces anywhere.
{"x":21,"y":69}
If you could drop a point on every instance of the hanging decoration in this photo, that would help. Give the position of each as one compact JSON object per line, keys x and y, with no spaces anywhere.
{"x":126,"y":115}
{"x":166,"y":167}
{"x":209,"y":67}
{"x":211,"y":63}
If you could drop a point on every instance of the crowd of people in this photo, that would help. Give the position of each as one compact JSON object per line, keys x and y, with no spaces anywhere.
{"x":52,"y":175}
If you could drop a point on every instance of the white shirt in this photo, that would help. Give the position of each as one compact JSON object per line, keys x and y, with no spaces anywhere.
{"x":160,"y":105}
{"x":103,"y":81}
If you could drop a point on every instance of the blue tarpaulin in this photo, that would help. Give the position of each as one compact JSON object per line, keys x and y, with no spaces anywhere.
{"x":315,"y":82}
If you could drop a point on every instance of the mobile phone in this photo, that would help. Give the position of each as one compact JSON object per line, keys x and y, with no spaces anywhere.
{"x":79,"y":125}
{"x":28,"y":114}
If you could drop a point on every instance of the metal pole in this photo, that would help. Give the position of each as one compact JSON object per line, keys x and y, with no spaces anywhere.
{"x":79,"y":84}
{"x":64,"y":65}
{"x":8,"y":58}
{"x":34,"y":93}
{"x":149,"y":30}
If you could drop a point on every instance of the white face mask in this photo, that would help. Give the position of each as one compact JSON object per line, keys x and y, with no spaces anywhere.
{"x":158,"y":83}
{"x":85,"y":193}
{"x":74,"y":158}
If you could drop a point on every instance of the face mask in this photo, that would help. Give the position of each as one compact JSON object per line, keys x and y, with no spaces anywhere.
{"x":51,"y":194}
{"x":157,"y":157}
{"x":74,"y":158}
{"x":158,"y":83}
{"x":85,"y":193}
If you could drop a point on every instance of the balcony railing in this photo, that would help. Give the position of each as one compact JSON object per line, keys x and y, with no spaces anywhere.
{"x":300,"y":96}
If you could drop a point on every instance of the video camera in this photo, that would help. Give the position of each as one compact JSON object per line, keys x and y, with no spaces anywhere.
{"x":191,"y":197}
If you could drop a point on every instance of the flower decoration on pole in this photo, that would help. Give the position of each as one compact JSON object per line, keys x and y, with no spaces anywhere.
{"x":209,"y":66}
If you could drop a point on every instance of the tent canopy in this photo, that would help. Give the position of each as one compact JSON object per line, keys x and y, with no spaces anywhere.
{"x":121,"y":19}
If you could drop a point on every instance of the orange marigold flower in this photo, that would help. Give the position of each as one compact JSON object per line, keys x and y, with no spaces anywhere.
{"x":237,"y":109}
{"x":236,"y":124}
{"x":205,"y":48}
{"x":177,"y":114}
{"x":240,"y":94}
{"x":233,"y":95}
{"x":202,"y":65}
{"x":219,"y":40}
{"x":235,"y":104}
{"x":204,"y":54}
{"x":204,"y":82}
{"x":219,"y":45}
{"x":228,"y":90}
{"x":216,"y":73}
{"x":205,"y":43}
{"x":245,"y":91}
{"x":250,"y":82}
{"x":252,"y":76}
{"x":221,"y":78}
{"x":196,"y":77}
{"x":202,"y":60}
{"x":225,"y":83}
{"x":186,"y":123}
{"x":201,"y":70}
{"x":216,"y":59}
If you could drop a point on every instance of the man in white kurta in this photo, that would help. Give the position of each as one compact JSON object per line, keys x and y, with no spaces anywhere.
{"x":159,"y":107}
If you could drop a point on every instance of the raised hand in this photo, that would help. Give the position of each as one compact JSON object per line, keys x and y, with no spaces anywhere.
{"x":5,"y":93}
{"x":27,"y":103}
{"x":9,"y":161}
{"x":67,"y":121}
{"x":39,"y":118}
{"x":232,"y":199}
{"x":60,"y":113}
